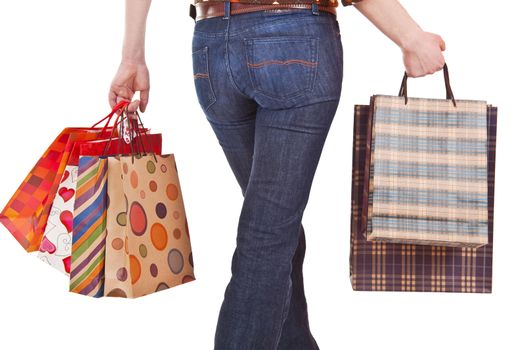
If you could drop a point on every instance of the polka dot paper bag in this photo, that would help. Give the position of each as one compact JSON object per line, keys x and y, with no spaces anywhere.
{"x":147,"y":243}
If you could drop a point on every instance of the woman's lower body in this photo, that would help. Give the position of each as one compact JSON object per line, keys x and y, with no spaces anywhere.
{"x":269,"y":83}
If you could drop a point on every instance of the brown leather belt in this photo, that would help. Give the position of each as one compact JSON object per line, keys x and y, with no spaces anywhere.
{"x":207,"y":10}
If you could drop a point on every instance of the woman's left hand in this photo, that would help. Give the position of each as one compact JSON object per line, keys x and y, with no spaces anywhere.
{"x":423,"y":54}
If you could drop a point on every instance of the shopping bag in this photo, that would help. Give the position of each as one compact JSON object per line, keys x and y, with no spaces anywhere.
{"x":89,"y":228}
{"x":26,"y":213}
{"x":148,"y":245}
{"x":383,"y":266}
{"x":117,"y":147}
{"x":426,"y":170}
{"x":55,"y":247}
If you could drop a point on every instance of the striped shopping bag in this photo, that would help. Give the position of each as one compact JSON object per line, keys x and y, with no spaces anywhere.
{"x":89,"y":228}
{"x":426,"y":170}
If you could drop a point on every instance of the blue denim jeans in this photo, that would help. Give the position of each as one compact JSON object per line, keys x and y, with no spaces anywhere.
{"x":269,"y":83}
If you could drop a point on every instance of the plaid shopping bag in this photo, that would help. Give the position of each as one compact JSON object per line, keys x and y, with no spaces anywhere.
{"x":426,"y":170}
{"x":383,"y":266}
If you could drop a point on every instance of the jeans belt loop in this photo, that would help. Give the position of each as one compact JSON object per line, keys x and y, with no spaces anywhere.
{"x":227,"y":6}
{"x":315,"y":8}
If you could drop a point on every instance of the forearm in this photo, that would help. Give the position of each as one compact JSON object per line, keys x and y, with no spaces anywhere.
{"x":135,"y":32}
{"x":391,"y":18}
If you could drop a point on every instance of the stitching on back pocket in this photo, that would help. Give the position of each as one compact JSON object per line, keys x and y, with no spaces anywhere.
{"x":260,"y":64}
{"x":282,"y":67}
{"x":203,"y":86}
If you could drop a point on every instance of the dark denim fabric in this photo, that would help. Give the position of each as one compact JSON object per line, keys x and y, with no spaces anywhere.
{"x":269,"y":83}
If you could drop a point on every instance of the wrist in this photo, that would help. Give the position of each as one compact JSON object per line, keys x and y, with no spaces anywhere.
{"x":411,"y":39}
{"x":133,"y":55}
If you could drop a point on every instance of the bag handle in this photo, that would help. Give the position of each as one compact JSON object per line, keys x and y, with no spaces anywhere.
{"x":115,"y":124}
{"x":450,"y":95}
{"x":137,"y":132}
{"x":121,"y":104}
{"x":139,"y":125}
{"x":119,"y":122}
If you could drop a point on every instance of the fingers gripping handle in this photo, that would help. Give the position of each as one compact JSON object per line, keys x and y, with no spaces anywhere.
{"x":449,"y":94}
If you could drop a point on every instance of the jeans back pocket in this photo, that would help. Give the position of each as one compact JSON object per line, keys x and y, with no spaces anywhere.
{"x":201,"y":77}
{"x":282,"y":67}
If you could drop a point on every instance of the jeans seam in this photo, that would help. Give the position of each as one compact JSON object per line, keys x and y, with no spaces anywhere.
{"x":286,"y":308}
{"x":227,"y":60}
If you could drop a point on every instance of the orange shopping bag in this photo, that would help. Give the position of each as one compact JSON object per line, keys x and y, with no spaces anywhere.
{"x":26,"y":213}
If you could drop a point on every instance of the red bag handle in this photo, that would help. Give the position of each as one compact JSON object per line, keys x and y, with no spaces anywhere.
{"x":120,"y":105}
{"x":117,"y":122}
{"x":137,"y":128}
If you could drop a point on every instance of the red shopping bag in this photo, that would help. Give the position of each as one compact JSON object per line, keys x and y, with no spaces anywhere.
{"x":116,"y":146}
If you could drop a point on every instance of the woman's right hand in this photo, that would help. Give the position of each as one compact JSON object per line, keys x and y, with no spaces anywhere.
{"x":131,"y":77}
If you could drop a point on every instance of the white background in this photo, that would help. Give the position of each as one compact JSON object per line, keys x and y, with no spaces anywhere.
{"x":57,"y":59}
